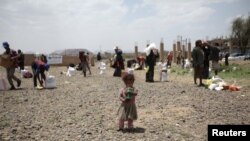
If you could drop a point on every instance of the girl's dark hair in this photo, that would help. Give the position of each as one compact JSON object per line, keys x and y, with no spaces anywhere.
{"x":128,"y":77}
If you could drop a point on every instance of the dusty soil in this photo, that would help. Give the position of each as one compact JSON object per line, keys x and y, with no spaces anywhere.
{"x":85,"y":109}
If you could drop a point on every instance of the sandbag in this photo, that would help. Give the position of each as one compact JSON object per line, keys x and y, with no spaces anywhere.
{"x":130,"y":70}
{"x":50,"y":82}
{"x":213,"y":86}
{"x":163,"y":76}
{"x":102,"y":67}
{"x":71,"y":71}
{"x":3,"y":84}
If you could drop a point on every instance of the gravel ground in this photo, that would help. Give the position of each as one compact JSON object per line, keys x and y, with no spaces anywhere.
{"x":81,"y":109}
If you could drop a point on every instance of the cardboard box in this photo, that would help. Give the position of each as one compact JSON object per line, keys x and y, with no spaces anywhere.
{"x":6,"y":62}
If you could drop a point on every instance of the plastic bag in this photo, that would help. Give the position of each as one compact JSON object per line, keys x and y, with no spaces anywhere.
{"x":50,"y":82}
{"x":102,"y":67}
{"x":130,"y":70}
{"x":213,"y":86}
{"x":71,"y":71}
{"x":3,"y":84}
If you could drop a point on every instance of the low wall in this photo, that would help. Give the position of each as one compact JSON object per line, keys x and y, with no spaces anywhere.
{"x":29,"y":58}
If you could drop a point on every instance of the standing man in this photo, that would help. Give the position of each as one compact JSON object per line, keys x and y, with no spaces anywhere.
{"x":88,"y":62}
{"x":20,"y":59}
{"x":215,"y":57}
{"x":11,"y":69}
{"x":198,"y":61}
{"x":83,"y":59}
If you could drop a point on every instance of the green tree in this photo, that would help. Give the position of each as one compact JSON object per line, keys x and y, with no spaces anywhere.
{"x":241,"y":33}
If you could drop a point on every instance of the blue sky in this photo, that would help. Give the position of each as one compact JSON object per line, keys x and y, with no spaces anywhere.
{"x":45,"y":26}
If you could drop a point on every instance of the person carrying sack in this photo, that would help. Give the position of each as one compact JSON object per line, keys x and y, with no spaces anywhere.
{"x":38,"y":68}
{"x":12,"y":56}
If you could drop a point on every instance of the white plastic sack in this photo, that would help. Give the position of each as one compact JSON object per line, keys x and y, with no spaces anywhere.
{"x":213,"y":86}
{"x":218,"y":88}
{"x":187,"y":64}
{"x":23,"y":72}
{"x":163,"y":76}
{"x":102,"y":67}
{"x":130,"y":70}
{"x":137,"y":66}
{"x":50,"y":82}
{"x":3,"y":84}
{"x":152,"y":46}
{"x":217,"y":80}
{"x":163,"y":66}
{"x":71,"y":71}
{"x":221,"y":84}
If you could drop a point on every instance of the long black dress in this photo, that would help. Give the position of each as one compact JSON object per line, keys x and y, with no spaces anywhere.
{"x":205,"y":74}
{"x":150,"y":63}
{"x":118,"y":64}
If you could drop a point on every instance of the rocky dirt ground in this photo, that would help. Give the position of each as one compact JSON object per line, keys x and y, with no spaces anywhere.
{"x":81,"y":109}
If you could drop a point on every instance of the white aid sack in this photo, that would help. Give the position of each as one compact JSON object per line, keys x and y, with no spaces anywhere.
{"x":217,"y":80}
{"x":130,"y":70}
{"x":3,"y":84}
{"x":187,"y":64}
{"x":50,"y":82}
{"x":213,"y":86}
{"x":218,"y":88}
{"x":102,"y":67}
{"x":163,"y":76}
{"x":71,"y":71}
{"x":152,"y":46}
{"x":23,"y":72}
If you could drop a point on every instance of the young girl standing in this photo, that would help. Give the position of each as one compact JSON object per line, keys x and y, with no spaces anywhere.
{"x":127,"y":111}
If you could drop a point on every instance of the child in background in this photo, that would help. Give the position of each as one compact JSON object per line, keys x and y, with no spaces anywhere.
{"x":127,"y":111}
{"x":163,"y":71}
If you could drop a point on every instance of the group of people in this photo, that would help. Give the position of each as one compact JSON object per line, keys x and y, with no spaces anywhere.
{"x":149,"y":62}
{"x":202,"y":54}
{"x":39,"y":66}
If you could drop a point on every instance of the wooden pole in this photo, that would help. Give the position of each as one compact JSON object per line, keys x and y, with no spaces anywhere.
{"x":136,"y":51}
{"x":174,"y":53}
{"x":183,"y":51}
{"x":161,"y":51}
{"x":189,"y":50}
{"x":178,"y":46}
